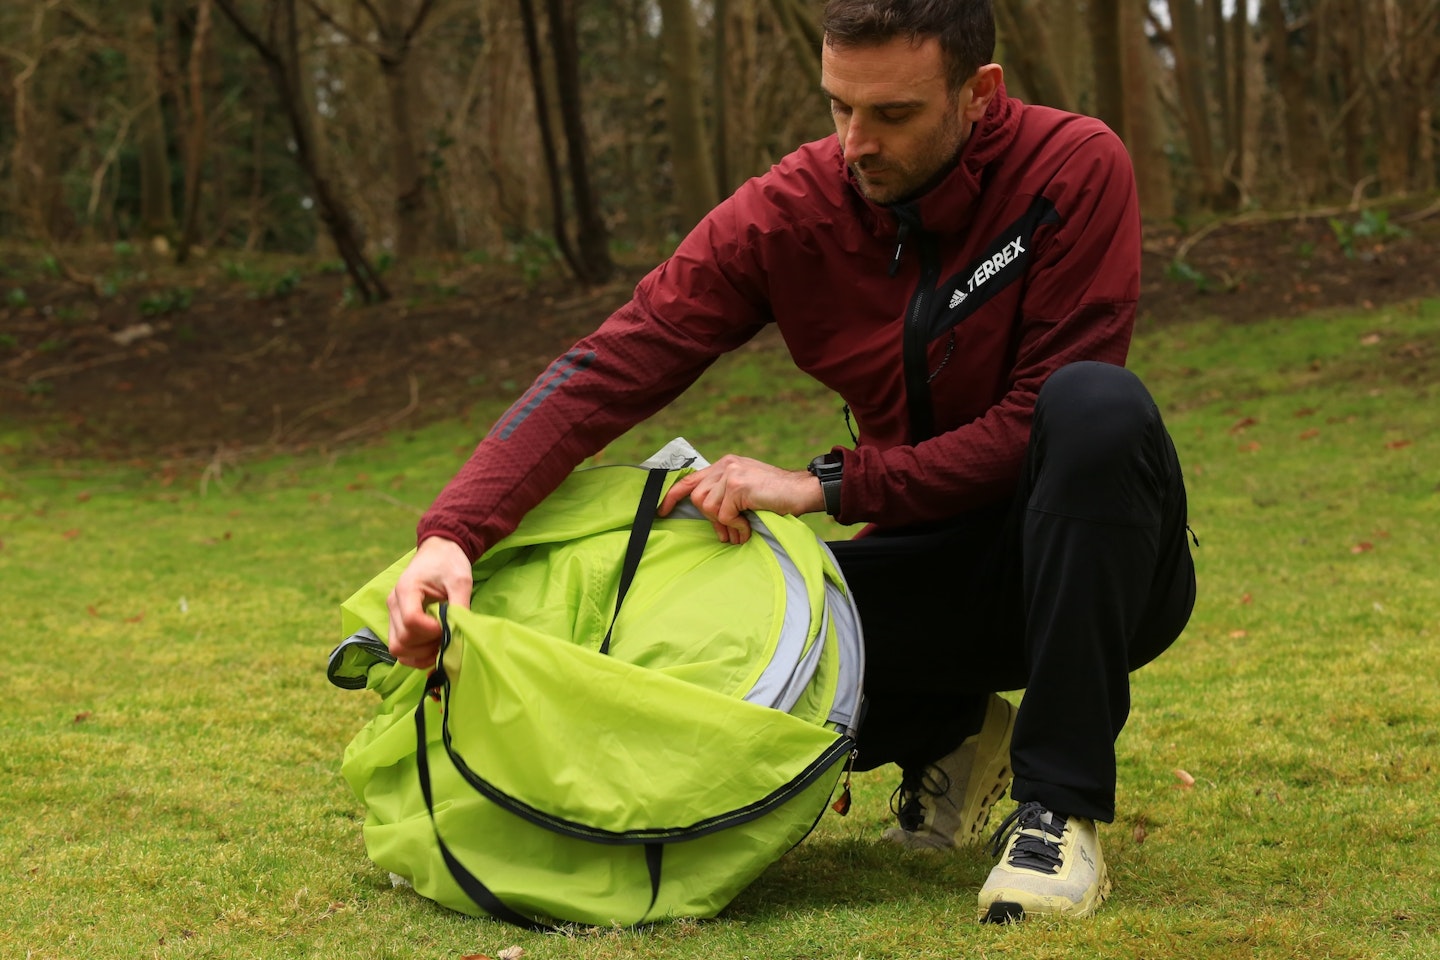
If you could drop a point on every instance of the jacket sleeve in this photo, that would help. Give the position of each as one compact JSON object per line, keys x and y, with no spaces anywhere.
{"x":700,"y":303}
{"x":1078,"y":304}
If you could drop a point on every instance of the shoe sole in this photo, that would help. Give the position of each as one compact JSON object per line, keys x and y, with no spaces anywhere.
{"x":996,"y":775}
{"x":1009,"y":911}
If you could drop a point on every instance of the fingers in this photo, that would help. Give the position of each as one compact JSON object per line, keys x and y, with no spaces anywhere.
{"x":438,"y":571}
{"x":717,"y":498}
{"x":414,"y":634}
{"x":679,"y":491}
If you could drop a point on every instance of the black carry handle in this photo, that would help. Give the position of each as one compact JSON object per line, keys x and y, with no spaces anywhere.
{"x":639,"y":533}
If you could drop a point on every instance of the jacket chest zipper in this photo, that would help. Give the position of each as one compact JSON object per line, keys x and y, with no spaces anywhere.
{"x":917,"y":380}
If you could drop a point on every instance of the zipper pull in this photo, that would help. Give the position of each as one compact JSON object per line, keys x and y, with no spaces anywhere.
{"x":842,"y":803}
{"x":899,"y":246}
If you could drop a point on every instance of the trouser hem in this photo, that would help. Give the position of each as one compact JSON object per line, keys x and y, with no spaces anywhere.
{"x":1064,"y":800}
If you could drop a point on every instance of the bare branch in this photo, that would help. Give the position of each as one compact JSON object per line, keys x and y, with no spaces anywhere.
{"x":419,"y":20}
{"x":374,"y":15}
{"x":343,"y":30}
{"x":263,"y":48}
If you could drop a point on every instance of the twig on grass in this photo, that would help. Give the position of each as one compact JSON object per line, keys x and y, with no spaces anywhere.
{"x":380,"y":423}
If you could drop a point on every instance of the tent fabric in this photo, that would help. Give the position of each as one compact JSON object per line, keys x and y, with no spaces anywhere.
{"x":654,"y":781}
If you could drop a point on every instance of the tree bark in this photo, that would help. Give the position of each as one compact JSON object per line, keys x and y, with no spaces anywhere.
{"x":592,"y":240}
{"x":280,"y":50}
{"x":695,"y":191}
{"x":1108,"y":63}
{"x":1188,"y":48}
{"x":157,"y":209}
{"x":1141,"y":109}
{"x":1304,"y":151}
{"x":195,"y":132}
{"x":1028,"y":47}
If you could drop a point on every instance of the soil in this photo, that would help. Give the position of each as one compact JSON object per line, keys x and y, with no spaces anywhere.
{"x":115,"y":354}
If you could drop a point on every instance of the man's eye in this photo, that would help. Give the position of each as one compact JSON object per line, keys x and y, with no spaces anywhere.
{"x":892,"y":117}
{"x":839,"y":109}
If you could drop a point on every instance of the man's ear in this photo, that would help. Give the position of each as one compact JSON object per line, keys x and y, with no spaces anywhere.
{"x":983,"y":87}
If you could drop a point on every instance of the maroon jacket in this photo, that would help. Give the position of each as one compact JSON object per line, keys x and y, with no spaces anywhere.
{"x":936,"y":320}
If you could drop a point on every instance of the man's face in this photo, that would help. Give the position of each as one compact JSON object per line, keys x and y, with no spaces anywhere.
{"x":899,"y":123}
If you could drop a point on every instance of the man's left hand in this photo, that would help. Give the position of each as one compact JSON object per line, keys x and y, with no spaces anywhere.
{"x":732,"y":485}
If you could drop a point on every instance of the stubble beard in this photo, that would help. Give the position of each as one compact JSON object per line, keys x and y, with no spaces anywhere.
{"x":907,"y":180}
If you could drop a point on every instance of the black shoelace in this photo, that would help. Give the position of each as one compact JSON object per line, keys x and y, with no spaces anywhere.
{"x":1032,"y":851}
{"x":905,"y":801}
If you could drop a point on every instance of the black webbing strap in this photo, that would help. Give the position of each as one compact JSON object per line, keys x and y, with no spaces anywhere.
{"x":639,"y":533}
{"x":484,"y":898}
{"x":653,"y":854}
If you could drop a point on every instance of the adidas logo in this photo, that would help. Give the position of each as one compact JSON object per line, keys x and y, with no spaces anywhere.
{"x":957,"y":298}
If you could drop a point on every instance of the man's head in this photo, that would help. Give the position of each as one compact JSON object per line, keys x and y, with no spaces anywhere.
{"x":965,"y":29}
{"x":907,"y":80}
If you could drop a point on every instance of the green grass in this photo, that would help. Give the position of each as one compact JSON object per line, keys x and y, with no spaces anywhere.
{"x":169,"y":748}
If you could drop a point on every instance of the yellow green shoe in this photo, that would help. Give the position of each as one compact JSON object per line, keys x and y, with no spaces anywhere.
{"x":1051,"y":864}
{"x":947,"y":804}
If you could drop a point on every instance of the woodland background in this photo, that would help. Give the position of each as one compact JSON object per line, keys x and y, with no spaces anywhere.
{"x":389,"y":129}
{"x":235,"y":226}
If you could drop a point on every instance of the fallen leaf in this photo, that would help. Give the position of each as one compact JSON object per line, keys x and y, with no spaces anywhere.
{"x":1305,"y":412}
{"x":1241,"y":426}
{"x":475,"y":956}
{"x":1186,"y":781}
{"x":1246,"y":599}
{"x":1309,"y":434}
{"x":1364,"y":546}
{"x":512,"y":953}
{"x":70,"y":534}
{"x":92,"y":609}
{"x":1139,"y":833}
{"x":1370,"y":339}
{"x":82,"y":716}
{"x":1398,"y":444}
{"x":1239,"y":634}
{"x":137,"y":618}
{"x":1382,"y":534}
{"x":83,"y":496}
{"x":1250,"y":447}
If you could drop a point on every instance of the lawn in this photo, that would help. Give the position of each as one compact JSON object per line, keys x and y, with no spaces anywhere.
{"x":169,"y":747}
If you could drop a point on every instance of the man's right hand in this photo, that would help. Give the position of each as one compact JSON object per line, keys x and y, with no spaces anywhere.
{"x":438,"y":571}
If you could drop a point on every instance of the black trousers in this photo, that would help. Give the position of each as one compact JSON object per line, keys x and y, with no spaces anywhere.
{"x":1083,"y":577}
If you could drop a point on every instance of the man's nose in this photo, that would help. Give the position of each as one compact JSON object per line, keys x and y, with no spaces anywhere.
{"x":858,"y":142}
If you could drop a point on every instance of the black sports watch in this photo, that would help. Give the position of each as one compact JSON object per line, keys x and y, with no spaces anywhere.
{"x":827,"y":468}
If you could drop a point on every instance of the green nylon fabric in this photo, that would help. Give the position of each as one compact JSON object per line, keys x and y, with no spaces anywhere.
{"x":654,"y":736}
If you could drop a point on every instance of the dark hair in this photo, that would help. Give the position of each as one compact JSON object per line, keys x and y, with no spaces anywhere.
{"x":965,"y":28}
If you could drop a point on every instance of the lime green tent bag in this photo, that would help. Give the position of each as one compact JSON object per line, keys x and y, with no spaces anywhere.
{"x":630,"y":723}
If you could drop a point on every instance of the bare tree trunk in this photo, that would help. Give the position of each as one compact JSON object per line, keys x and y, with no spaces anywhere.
{"x":720,"y":84}
{"x":195,"y":133}
{"x":1066,"y":20}
{"x":1108,"y":63}
{"x":1141,"y":110}
{"x":592,"y":240}
{"x":695,"y":192}
{"x":1188,"y":47}
{"x":1029,"y":48}
{"x":1242,"y":47}
{"x":157,"y":210}
{"x":396,"y":29}
{"x":1302,"y":147}
{"x":801,"y":28}
{"x":589,"y":256}
{"x":281,"y":52}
